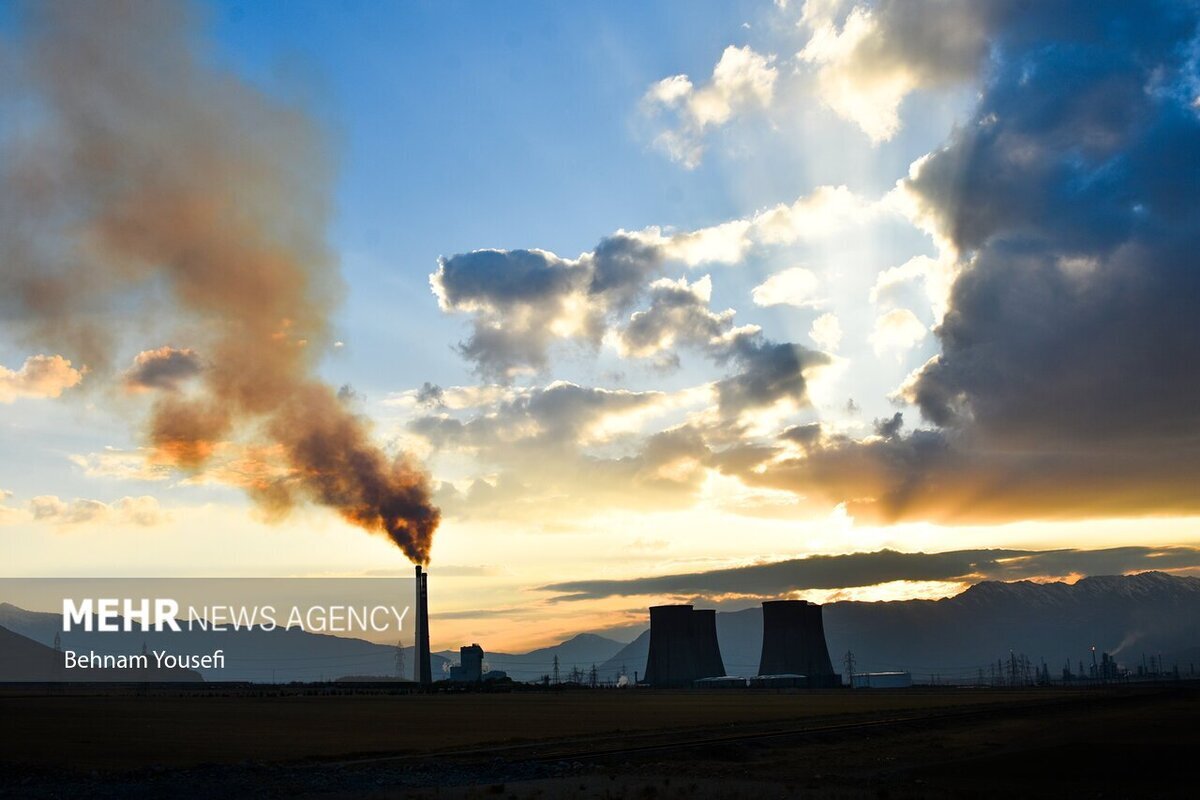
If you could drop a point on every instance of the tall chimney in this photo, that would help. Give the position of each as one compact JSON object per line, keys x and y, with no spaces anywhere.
{"x":421,"y":670}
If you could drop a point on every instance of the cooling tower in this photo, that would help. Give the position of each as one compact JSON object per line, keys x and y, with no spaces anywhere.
{"x":421,"y":671}
{"x":794,"y":643}
{"x":683,"y":646}
{"x":704,"y":639}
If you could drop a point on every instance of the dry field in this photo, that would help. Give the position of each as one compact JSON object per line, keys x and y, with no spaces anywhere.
{"x":1124,"y":742}
{"x":167,"y":729}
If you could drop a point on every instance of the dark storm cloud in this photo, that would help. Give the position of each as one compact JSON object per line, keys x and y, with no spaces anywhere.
{"x":1068,"y":380}
{"x":887,"y":428}
{"x":867,"y":569}
{"x":1077,"y":189}
{"x":770,"y":371}
{"x":164,"y":368}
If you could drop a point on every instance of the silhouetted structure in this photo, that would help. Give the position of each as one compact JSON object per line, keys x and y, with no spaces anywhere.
{"x":683,"y":646}
{"x":470,"y":665}
{"x":421,"y":670}
{"x":794,"y":643}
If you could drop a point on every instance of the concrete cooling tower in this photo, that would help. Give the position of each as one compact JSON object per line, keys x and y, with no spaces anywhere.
{"x":794,"y":643}
{"x":683,"y":646}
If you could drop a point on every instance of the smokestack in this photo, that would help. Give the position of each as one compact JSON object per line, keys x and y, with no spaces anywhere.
{"x":421,"y":670}
{"x":794,"y":643}
{"x":683,"y":646}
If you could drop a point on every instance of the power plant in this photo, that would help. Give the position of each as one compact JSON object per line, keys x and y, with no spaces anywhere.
{"x":683,"y":646}
{"x":421,"y":670}
{"x":684,"y":650}
{"x":794,"y":643}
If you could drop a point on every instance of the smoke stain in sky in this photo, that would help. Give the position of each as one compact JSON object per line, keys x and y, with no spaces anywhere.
{"x":150,"y":174}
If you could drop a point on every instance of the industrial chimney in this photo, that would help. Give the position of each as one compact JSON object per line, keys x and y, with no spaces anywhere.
{"x":421,"y":671}
{"x":683,"y":646}
{"x":794,"y":643}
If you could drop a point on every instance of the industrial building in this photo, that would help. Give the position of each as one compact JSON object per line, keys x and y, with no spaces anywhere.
{"x":470,"y":665}
{"x":683,"y":646}
{"x":881,"y":680}
{"x":794,"y":643}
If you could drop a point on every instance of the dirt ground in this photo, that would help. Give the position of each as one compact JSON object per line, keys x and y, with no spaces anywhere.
{"x":1032,"y":744}
{"x":177,"y":730}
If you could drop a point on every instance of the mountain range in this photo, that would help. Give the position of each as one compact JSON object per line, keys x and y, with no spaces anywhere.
{"x":1151,"y":613}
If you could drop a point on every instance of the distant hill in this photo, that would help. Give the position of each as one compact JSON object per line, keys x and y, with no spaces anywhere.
{"x":1151,"y":613}
{"x":22,"y":659}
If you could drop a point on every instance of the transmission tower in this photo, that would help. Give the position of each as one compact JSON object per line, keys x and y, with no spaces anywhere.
{"x":399,"y":658}
{"x":849,"y":661}
{"x":556,"y":669}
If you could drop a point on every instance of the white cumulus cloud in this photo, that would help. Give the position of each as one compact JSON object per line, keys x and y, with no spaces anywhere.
{"x":792,"y":287}
{"x":40,"y":376}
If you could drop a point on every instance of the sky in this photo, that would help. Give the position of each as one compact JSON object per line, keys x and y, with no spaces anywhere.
{"x":591,"y":306}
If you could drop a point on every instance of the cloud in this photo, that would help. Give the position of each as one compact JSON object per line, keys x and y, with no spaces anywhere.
{"x":431,"y":394}
{"x":792,"y":287}
{"x":890,"y":427}
{"x":826,"y":332}
{"x":783,"y":578}
{"x":557,"y":451}
{"x":1070,"y":335}
{"x":122,"y":464}
{"x":678,"y":314}
{"x":8,"y":514}
{"x":825,"y":211}
{"x":1065,"y":297}
{"x":919,"y":278}
{"x":741,"y":80}
{"x":522,"y":301}
{"x":869,"y":58}
{"x":163,"y":368}
{"x":143,"y":511}
{"x":770,"y":372}
{"x":39,"y":377}
{"x":897,"y":331}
